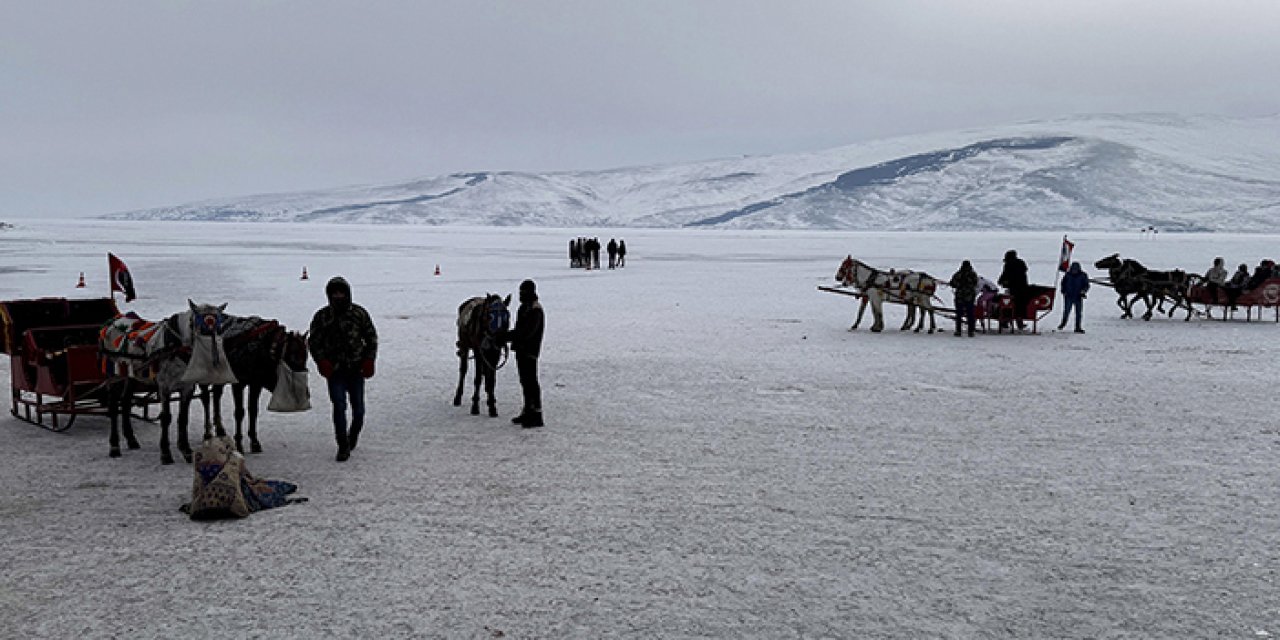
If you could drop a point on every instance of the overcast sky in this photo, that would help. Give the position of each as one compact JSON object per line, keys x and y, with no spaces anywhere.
{"x":108,"y":106}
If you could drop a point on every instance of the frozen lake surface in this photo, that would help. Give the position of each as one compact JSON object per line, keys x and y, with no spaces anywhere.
{"x":722,"y":457}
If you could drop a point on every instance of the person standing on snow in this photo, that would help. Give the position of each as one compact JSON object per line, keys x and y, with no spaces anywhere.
{"x":1074,"y":287}
{"x":622,"y":253}
{"x":1014,"y":278}
{"x":965,"y":285}
{"x":613,"y":253}
{"x":526,"y":341}
{"x":344,"y":344}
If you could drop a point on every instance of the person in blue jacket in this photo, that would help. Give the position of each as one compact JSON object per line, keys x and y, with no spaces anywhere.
{"x":1074,"y":287}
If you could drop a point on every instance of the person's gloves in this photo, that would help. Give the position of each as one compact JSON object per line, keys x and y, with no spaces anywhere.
{"x":326,"y":368}
{"x":366,"y":367}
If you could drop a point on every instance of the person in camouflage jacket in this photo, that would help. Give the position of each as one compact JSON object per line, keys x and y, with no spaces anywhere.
{"x":344,"y":344}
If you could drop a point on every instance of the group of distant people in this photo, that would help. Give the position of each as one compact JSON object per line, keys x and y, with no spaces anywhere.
{"x":1216,"y":279}
{"x":973,"y":291}
{"x":585,"y":253}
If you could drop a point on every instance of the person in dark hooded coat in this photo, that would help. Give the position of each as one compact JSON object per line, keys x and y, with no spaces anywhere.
{"x":1014,"y":278}
{"x":526,"y":341}
{"x":1075,"y":284}
{"x":344,"y":344}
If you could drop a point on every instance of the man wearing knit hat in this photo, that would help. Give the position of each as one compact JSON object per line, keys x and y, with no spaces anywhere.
{"x":344,"y":344}
{"x":526,"y":341}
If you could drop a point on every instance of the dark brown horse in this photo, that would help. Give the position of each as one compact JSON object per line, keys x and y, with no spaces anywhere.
{"x":256,"y":348}
{"x":482,"y":327}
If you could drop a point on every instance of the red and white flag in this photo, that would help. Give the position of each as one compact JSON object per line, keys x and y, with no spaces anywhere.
{"x":120,"y":279}
{"x":1064,"y":260}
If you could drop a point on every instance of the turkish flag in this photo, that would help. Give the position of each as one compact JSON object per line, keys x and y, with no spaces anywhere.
{"x":120,"y":279}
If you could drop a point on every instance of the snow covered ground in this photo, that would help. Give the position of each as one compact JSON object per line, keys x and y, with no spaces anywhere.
{"x":722,"y":457}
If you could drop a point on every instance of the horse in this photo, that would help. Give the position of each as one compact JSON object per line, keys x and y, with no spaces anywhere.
{"x":1130,"y":277}
{"x":916,"y":289}
{"x":255,"y":349}
{"x":872,"y":282}
{"x":138,"y":352}
{"x":912,"y":288}
{"x":482,"y":326}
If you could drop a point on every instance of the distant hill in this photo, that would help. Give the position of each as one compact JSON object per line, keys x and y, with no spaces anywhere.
{"x":1103,"y":172}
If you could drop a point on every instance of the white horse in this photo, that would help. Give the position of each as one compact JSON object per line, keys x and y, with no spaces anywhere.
{"x":872,"y":283}
{"x":156,"y":355}
{"x":916,"y":289}
{"x":912,"y":288}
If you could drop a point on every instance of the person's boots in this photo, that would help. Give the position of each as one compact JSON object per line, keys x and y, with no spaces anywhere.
{"x":520,"y":418}
{"x":352,"y":438}
{"x":344,"y":449}
{"x":533,"y":419}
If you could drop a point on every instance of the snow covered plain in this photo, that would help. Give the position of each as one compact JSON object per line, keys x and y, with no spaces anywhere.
{"x":722,"y":457}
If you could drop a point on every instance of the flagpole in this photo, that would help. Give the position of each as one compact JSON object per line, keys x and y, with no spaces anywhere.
{"x":1057,"y":270}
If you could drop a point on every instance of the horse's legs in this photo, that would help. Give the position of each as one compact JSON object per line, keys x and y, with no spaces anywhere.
{"x":911,"y":315}
{"x":237,"y":399}
{"x":877,"y":312}
{"x":166,"y":418}
{"x":113,"y":413}
{"x":862,"y":308}
{"x":185,"y":392}
{"x":462,"y":375}
{"x":475,"y":396}
{"x":927,"y":309}
{"x":126,"y":416}
{"x":216,"y":391}
{"x":490,"y":379}
{"x":255,"y":393}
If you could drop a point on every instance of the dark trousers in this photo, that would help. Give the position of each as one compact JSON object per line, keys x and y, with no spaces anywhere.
{"x":1069,"y":304}
{"x":964,"y":313}
{"x":622,"y":259}
{"x":344,"y":385}
{"x":527,"y":367}
{"x":613,"y":260}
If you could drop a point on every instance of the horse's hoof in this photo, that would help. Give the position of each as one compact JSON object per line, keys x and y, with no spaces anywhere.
{"x":457,"y":403}
{"x":255,"y":448}
{"x":493,"y":413}
{"x":475,"y":411}
{"x":133,"y":444}
{"x":166,"y":459}
{"x":115,"y":452}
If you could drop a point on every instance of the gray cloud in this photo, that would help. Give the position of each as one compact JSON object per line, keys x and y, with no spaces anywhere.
{"x":110,"y":106}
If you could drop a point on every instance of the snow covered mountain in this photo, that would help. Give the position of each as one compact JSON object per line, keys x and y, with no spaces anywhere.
{"x":1102,"y":172}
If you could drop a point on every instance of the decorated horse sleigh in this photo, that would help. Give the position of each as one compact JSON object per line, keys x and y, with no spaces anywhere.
{"x":55,"y":368}
{"x":917,"y":291}
{"x":1133,"y":282}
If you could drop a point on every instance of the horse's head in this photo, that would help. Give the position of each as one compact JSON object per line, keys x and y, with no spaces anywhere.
{"x":207,"y":319}
{"x":293,"y":350}
{"x":497,"y":319}
{"x":1110,"y":262}
{"x":844,"y":275}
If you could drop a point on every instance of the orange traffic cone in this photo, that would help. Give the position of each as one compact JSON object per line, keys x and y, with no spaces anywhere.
{"x":437,"y":270}
{"x":304,"y":274}
{"x":80,"y":285}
